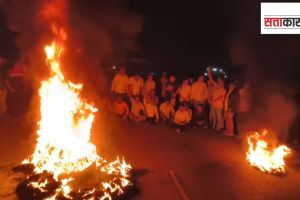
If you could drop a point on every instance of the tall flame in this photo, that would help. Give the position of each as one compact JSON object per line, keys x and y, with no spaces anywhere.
{"x":63,"y":145}
{"x":265,"y":157}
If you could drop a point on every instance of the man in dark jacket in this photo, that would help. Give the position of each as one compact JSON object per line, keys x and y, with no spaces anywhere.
{"x":231,"y":103}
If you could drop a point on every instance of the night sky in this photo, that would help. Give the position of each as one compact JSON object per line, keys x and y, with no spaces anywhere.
{"x":185,"y":36}
{"x":181,"y":35}
{"x":178,"y":34}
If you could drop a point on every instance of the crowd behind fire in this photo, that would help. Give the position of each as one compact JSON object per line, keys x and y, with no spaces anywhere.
{"x":183,"y":105}
{"x":206,"y":103}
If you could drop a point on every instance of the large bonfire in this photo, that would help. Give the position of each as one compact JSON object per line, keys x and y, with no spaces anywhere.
{"x":264,"y":156}
{"x":65,"y":162}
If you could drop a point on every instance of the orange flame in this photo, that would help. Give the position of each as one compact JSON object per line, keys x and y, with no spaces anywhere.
{"x":63,"y":145}
{"x":266,"y":158}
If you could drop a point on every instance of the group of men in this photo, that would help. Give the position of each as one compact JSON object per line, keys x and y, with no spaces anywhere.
{"x":185,"y":105}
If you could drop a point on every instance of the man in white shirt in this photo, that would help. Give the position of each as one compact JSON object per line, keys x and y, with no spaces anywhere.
{"x":119,"y":84}
{"x":138,"y":112}
{"x":166,"y":111}
{"x":185,"y":92}
{"x":149,"y":85}
{"x":182,"y":118}
{"x":135,"y":85}
{"x":199,"y":92}
{"x":216,"y":117}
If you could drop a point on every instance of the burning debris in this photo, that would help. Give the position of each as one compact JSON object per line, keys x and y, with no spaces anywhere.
{"x":65,"y":163}
{"x":264,"y":156}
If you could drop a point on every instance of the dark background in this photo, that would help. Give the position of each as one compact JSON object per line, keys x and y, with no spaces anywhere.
{"x":185,"y":36}
{"x":8,"y":49}
{"x":180,"y":37}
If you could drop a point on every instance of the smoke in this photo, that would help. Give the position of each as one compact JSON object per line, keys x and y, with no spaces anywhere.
{"x":270,"y":63}
{"x":99,"y":33}
{"x":102,"y":33}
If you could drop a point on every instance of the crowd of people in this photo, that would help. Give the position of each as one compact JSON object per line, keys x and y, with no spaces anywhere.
{"x":206,"y":103}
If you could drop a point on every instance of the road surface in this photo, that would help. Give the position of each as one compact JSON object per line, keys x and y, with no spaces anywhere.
{"x":209,"y":166}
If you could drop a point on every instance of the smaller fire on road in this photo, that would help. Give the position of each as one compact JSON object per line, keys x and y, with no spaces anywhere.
{"x":265,"y":156}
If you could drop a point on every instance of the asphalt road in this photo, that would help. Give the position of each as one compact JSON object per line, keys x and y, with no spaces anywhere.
{"x":209,"y":166}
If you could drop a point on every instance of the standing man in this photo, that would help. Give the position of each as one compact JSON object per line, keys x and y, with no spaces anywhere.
{"x":18,"y":98}
{"x":199,"y":92}
{"x":217,"y":101}
{"x":149,"y":85}
{"x":2,"y":88}
{"x":135,"y":85}
{"x":231,"y":104}
{"x":184,"y":92}
{"x":119,"y":86}
{"x":170,"y":90}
